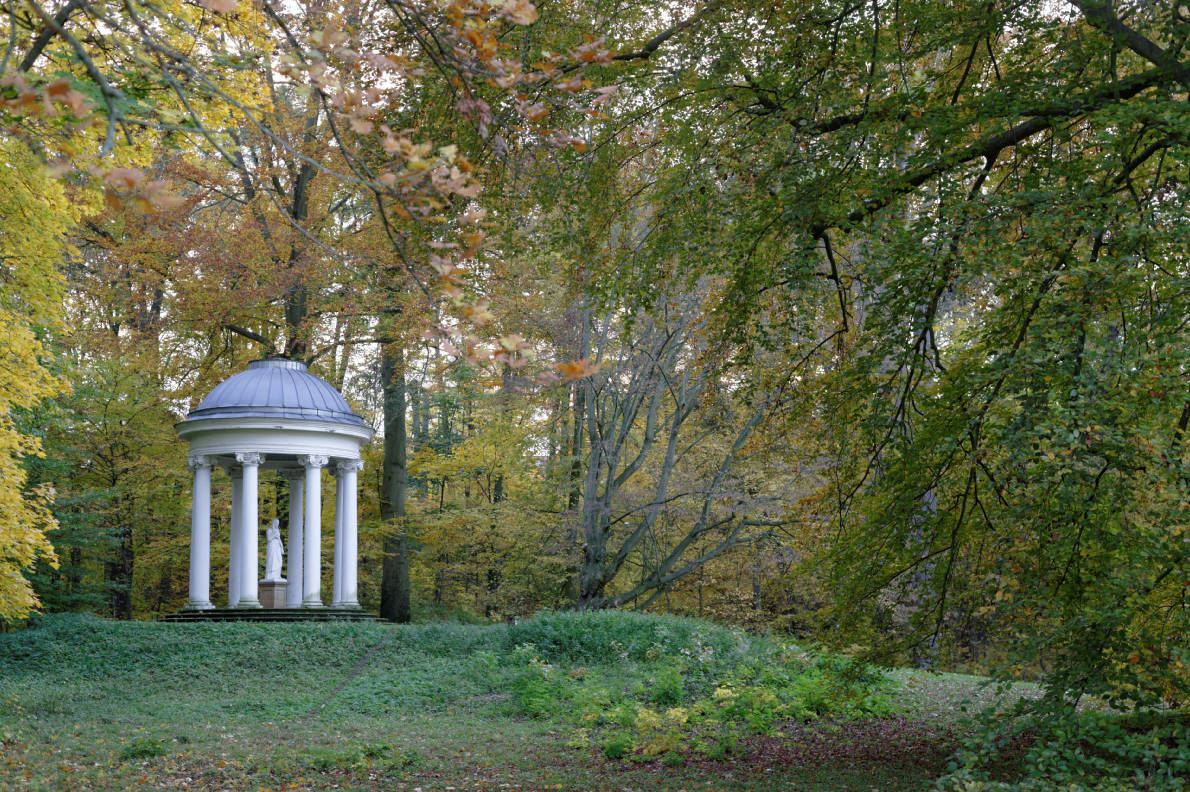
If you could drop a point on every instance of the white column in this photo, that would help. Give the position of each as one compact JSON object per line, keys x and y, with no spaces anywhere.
{"x":200,"y":535}
{"x":312,"y":574}
{"x":249,"y":531}
{"x":293,"y":571}
{"x":348,"y":470}
{"x":337,"y":578}
{"x":234,"y":540}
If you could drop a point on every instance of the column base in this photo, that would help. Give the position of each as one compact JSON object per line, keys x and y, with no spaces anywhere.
{"x":349,"y":605}
{"x":248,"y":604}
{"x":193,"y":605}
{"x":313,"y":603}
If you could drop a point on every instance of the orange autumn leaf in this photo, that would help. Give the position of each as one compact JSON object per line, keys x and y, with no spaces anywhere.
{"x":512,"y":342}
{"x":479,"y":312}
{"x":126,"y":178}
{"x":160,"y":196}
{"x":60,"y":91}
{"x":522,"y":12}
{"x":576,"y":369}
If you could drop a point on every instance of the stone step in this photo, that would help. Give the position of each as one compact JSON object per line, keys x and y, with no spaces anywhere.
{"x":270,"y":615}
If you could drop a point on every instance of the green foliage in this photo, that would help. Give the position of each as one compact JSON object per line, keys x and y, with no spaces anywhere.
{"x":539,"y":690}
{"x":667,"y":688}
{"x":35,"y":213}
{"x":1056,"y":747}
{"x":616,"y":745}
{"x":604,"y":636}
{"x":113,"y":461}
{"x":121,"y":700}
{"x":688,"y":698}
{"x":963,"y":225}
{"x":366,"y":757}
{"x":143,"y":748}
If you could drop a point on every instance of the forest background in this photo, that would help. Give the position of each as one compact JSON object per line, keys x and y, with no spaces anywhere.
{"x":864,"y":321}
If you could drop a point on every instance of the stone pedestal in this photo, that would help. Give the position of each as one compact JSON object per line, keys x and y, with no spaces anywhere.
{"x":272,"y":593}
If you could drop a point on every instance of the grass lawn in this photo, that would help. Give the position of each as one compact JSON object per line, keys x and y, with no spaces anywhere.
{"x":93,"y":705}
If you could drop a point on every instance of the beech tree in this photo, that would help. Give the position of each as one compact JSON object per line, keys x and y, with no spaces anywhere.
{"x":659,"y":402}
{"x":34,"y":215}
{"x":969,"y":218}
{"x":942,"y":245}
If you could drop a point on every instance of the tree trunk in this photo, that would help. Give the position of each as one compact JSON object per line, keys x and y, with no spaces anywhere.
{"x":576,"y":446}
{"x":118,"y":576}
{"x":394,"y":583}
{"x":297,"y":345}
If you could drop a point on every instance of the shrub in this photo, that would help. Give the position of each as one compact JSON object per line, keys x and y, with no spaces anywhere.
{"x":616,"y":745}
{"x":659,"y":733}
{"x":538,"y":690}
{"x":689,"y":707}
{"x":668,"y":687}
{"x":142,"y":748}
{"x":596,"y":637}
{"x":1054,"y":747}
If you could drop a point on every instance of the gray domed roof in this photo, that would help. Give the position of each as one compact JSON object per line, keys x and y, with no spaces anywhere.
{"x":275,"y":388}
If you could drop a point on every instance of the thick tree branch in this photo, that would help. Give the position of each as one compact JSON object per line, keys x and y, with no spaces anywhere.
{"x":47,"y":33}
{"x":251,"y":335}
{"x":990,"y":146}
{"x":653,"y":44}
{"x":1100,"y":15}
{"x":110,"y":93}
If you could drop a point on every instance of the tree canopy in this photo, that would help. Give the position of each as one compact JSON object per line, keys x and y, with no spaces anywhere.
{"x":862,"y":318}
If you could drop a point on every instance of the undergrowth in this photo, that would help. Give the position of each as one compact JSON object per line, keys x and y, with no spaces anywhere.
{"x":633,"y":686}
{"x":665,"y":688}
{"x":1050,"y":745}
{"x":622,"y":686}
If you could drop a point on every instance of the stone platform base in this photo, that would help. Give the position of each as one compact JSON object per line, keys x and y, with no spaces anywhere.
{"x":272,"y":594}
{"x":270,"y":615}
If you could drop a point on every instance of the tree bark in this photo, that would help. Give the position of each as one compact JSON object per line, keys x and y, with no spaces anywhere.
{"x":394,"y":583}
{"x":297,"y":308}
{"x":576,"y":440}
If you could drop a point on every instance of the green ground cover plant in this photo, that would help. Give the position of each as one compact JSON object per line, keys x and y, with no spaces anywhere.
{"x":690,"y":688}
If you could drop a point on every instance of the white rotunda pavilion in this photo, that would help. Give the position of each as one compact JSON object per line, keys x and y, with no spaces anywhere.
{"x":275,"y":415}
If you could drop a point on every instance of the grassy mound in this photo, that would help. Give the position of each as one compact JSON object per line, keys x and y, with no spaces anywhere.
{"x":567,"y":700}
{"x":581,"y":700}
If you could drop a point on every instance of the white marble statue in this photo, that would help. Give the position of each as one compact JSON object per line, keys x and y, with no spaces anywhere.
{"x":273,"y":553}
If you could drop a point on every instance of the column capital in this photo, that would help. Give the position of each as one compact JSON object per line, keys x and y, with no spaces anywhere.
{"x":199,"y":461}
{"x":294,"y":476}
{"x":314,"y":460}
{"x":249,"y":458}
{"x":345,"y":465}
